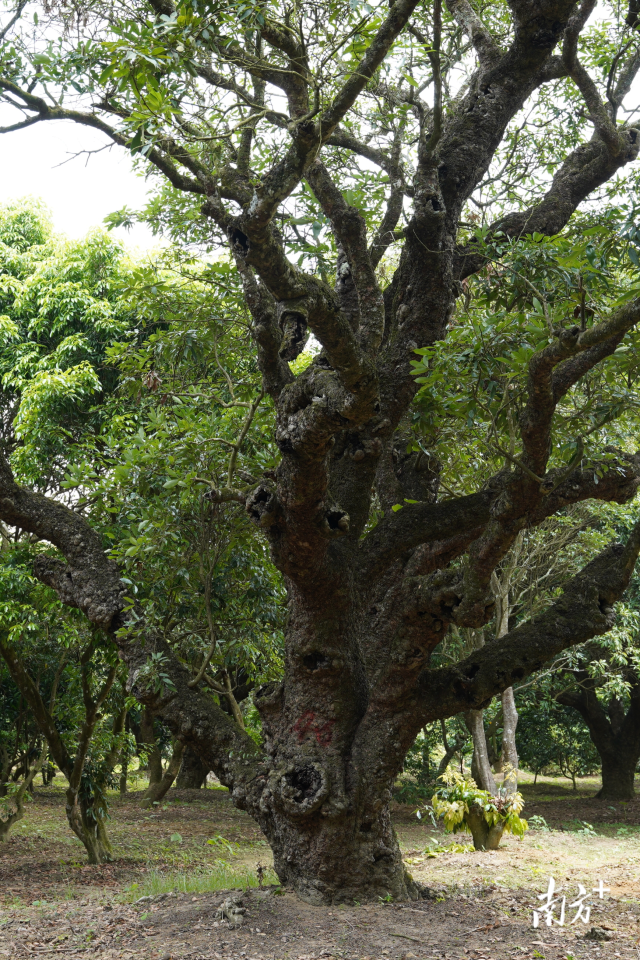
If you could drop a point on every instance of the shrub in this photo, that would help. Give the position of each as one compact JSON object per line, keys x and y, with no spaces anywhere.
{"x":464,"y":807}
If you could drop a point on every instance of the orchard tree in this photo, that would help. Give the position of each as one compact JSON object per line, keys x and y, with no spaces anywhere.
{"x":601,"y":681}
{"x":553,"y":739}
{"x":538,"y":565}
{"x":64,"y":670}
{"x":362,"y":165}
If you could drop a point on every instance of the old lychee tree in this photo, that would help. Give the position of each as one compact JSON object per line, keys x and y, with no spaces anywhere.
{"x":362,"y":164}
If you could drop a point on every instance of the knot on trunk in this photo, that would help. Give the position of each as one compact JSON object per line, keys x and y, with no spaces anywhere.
{"x":437,"y":595}
{"x":292,"y":319}
{"x":238,"y":240}
{"x":262,"y":506}
{"x":334,"y":522}
{"x":303,"y":788}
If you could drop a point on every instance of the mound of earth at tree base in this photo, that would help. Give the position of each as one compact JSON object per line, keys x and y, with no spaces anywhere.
{"x":491,"y":924}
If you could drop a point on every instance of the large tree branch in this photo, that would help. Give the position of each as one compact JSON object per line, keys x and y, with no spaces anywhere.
{"x":585,"y":169}
{"x":90,"y":581}
{"x":585,"y":610}
{"x":307,"y":137}
{"x":524,"y":503}
{"x":386,"y":162}
{"x":351,"y":231}
{"x":486,"y":47}
{"x":418,"y":523}
{"x":407,"y":695}
{"x":298,"y":75}
{"x":543,"y":389}
{"x":396,"y":20}
{"x":44,"y":111}
{"x":266,"y":332}
{"x":496,"y":92}
{"x":597,"y":111}
{"x":625,"y":80}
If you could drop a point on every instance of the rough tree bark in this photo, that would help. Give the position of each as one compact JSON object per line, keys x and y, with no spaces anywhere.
{"x":615,"y":735}
{"x":367,"y":606}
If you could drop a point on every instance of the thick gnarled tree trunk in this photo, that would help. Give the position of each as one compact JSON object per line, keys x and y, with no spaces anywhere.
{"x":615,"y":734}
{"x":368,"y":602}
{"x":618,"y":775}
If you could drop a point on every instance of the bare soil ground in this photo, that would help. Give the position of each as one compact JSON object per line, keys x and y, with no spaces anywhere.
{"x":174,"y":867}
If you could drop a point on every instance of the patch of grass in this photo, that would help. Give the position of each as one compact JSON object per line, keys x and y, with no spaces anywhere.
{"x":223,"y":876}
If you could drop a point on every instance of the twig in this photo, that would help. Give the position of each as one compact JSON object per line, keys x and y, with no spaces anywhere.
{"x":406,"y":936}
{"x":200,"y":674}
{"x":245,"y":429}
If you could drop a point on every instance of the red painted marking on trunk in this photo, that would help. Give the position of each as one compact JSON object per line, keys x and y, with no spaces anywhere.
{"x":323,"y":732}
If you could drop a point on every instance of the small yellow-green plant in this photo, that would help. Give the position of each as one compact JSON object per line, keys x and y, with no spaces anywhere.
{"x":464,"y":807}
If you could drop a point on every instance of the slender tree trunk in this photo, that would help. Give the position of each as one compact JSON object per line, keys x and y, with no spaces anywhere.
{"x":509,"y":750}
{"x":450,"y":750}
{"x":124,"y":761}
{"x":17,"y":800}
{"x":148,"y":737}
{"x":480,"y":766}
{"x":124,"y":773}
{"x":157,"y":791}
{"x":501,"y":586}
{"x":425,"y":759}
{"x":84,"y":818}
{"x":119,"y":723}
{"x":88,"y":825}
{"x":193,"y":772}
{"x":48,"y":773}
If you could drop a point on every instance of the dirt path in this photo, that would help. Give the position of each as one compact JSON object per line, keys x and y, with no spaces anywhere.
{"x":489,"y":924}
{"x":480,"y":904}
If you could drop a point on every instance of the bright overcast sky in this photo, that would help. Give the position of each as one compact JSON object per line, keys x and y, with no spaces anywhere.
{"x":81,"y":192}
